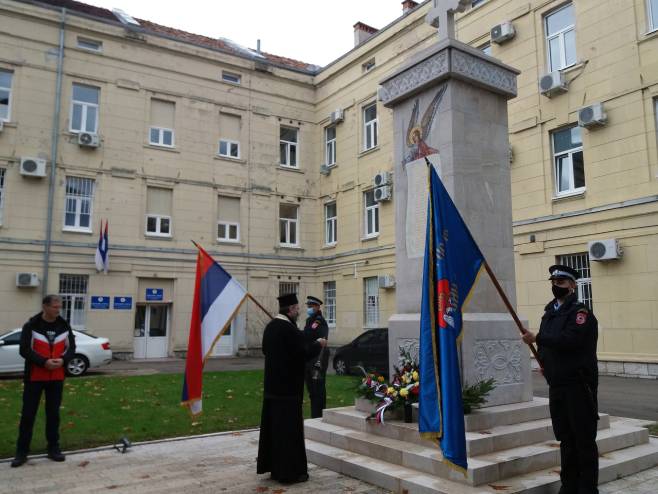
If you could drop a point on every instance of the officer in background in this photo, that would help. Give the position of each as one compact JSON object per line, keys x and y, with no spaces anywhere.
{"x":567,"y":349}
{"x":316,"y":369}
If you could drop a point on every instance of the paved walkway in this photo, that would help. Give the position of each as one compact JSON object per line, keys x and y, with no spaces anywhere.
{"x":209,"y":464}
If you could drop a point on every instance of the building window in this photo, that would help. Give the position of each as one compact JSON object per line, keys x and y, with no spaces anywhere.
{"x":158,"y":211}
{"x":652,"y":14}
{"x":371,"y":302}
{"x":369,"y":65}
{"x":2,"y":191}
{"x":73,"y":292}
{"x":84,"y":109}
{"x":229,"y":132}
{"x":288,"y":146}
{"x":371,"y":214}
{"x":568,"y":159}
{"x":330,"y":145}
{"x":580,"y":262}
{"x":5,"y":94}
{"x":329,"y":288}
{"x":228,"y":219}
{"x":486,"y":49}
{"x":330,"y":235}
{"x":475,"y":3}
{"x":561,"y":38}
{"x":286,"y":287}
{"x":370,"y":126}
{"x":231,"y":77}
{"x":288,"y":227}
{"x":90,"y":44}
{"x":79,"y":199}
{"x":161,"y":132}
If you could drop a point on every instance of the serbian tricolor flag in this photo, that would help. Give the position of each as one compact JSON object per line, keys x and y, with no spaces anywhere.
{"x":102,"y":257}
{"x":217,"y":299}
{"x":452,"y":265}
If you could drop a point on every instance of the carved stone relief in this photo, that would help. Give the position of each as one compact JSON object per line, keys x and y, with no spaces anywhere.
{"x":498,"y":359}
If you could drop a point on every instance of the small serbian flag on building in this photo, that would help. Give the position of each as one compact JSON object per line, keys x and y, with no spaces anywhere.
{"x":217,"y":299}
{"x":102,"y":250}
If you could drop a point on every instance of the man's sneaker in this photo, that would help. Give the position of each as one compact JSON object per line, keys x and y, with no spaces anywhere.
{"x":56,"y":455}
{"x":18,"y":461}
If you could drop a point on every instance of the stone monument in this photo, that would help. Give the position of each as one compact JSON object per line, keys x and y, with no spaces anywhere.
{"x":450,"y":104}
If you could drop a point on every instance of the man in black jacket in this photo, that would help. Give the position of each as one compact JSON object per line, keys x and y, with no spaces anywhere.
{"x":316,"y":369}
{"x":47,"y":345}
{"x":567,"y":349}
{"x":281,"y":448}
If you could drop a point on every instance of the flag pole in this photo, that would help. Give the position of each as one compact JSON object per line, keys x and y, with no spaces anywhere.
{"x":249,"y":295}
{"x":511,"y":310}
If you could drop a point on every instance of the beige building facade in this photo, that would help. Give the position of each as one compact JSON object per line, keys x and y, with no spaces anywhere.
{"x":270,"y":164}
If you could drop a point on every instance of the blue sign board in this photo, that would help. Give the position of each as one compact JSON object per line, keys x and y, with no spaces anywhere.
{"x":100,"y":302}
{"x":154,"y":294}
{"x":123,"y":303}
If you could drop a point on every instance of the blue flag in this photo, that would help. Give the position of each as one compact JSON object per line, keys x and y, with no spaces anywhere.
{"x":453,"y":263}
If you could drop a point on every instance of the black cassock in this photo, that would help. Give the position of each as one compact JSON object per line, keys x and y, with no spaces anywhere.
{"x":281,"y":448}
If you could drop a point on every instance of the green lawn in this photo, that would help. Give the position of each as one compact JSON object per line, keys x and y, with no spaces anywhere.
{"x":653,"y":429}
{"x":99,"y":410}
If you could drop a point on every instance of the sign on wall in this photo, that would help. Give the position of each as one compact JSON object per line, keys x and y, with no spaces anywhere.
{"x":154,"y":294}
{"x":123,"y":303}
{"x":100,"y":302}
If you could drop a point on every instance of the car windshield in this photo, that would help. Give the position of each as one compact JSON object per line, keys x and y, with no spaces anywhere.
{"x":7,"y":333}
{"x":82,"y":333}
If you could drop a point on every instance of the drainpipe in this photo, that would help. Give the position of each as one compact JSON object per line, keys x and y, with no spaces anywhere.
{"x":53,"y":154}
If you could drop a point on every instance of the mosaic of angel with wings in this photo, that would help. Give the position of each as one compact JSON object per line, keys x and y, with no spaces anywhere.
{"x":417,"y":134}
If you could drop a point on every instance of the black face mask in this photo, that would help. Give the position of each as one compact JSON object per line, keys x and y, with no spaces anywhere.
{"x":559,"y":291}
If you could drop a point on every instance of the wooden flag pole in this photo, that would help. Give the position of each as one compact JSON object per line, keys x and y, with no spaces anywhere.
{"x":511,"y":310}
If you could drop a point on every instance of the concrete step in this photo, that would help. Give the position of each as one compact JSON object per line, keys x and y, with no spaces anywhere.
{"x":482,"y":469}
{"x":477,"y":443}
{"x":401,"y":479}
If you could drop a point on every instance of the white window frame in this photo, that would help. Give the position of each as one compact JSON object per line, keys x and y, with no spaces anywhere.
{"x":73,"y":292}
{"x":85,"y":106}
{"x":568,"y":154}
{"x":286,"y":287}
{"x":158,"y":225}
{"x":289,"y":145}
{"x":580,"y":262}
{"x":331,"y":224}
{"x":228,"y":143}
{"x":289,"y":224}
{"x":3,"y":174}
{"x":329,"y":291}
{"x":370,"y":127}
{"x":161,"y":134}
{"x":651,"y":6}
{"x":8,"y":89}
{"x":560,"y":34}
{"x":370,"y":211}
{"x":227,"y":230}
{"x":371,"y":302}
{"x":89,"y":44}
{"x":231,"y":77}
{"x":79,"y":202}
{"x":330,"y":146}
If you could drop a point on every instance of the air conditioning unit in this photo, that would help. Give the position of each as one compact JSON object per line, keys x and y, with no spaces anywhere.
{"x":88,"y":140}
{"x":337,"y":116}
{"x":381,"y":178}
{"x":24,"y":280}
{"x":604,"y":250}
{"x":592,"y":116}
{"x":33,"y":167}
{"x":383,"y":193}
{"x":325,"y":169}
{"x":502,"y":32}
{"x":386,"y":281}
{"x":552,"y":84}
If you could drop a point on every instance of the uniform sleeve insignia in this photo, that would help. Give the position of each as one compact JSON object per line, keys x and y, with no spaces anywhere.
{"x":581,"y":317}
{"x":315,"y":325}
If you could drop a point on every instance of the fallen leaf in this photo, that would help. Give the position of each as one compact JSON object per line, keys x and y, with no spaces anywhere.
{"x":83,"y":464}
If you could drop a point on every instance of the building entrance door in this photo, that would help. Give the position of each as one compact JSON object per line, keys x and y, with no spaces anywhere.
{"x":151,"y":331}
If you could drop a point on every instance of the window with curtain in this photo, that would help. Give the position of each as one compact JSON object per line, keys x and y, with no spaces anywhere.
{"x":158,"y":211}
{"x":370,"y":126}
{"x":288,"y":226}
{"x":560,"y":28}
{"x":330,"y":219}
{"x":371,"y":214}
{"x":568,"y":161}
{"x":79,"y":200}
{"x":288,"y":141}
{"x":161,"y":132}
{"x":84,"y":109}
{"x":228,"y":222}
{"x":229,"y":135}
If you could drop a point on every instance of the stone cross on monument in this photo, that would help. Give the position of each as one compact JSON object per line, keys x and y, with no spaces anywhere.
{"x":442,"y":16}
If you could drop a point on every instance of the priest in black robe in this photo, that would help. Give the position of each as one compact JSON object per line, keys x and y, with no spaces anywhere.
{"x":281,"y":448}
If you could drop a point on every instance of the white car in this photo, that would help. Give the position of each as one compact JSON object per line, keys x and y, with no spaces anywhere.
{"x":90,"y":351}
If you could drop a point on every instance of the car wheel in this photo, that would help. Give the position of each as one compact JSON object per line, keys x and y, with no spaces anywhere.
{"x":77,"y":366}
{"x":340,"y":366}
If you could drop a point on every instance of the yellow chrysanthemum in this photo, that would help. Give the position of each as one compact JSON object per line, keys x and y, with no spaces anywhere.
{"x":404,"y":392}
{"x":415,"y":375}
{"x":380,"y":379}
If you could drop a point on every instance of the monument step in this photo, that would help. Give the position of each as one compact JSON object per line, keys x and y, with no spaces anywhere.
{"x":401,"y":479}
{"x":482,"y":469}
{"x":477,"y":443}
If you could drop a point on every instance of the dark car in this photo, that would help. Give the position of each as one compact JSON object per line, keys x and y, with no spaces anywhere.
{"x":368,"y":350}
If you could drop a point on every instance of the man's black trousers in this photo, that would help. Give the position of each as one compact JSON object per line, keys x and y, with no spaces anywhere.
{"x":31,"y":396}
{"x":316,"y":390}
{"x":574,"y":416}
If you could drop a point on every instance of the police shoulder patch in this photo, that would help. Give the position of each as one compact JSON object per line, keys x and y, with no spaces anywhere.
{"x":315,"y":325}
{"x":581,"y":317}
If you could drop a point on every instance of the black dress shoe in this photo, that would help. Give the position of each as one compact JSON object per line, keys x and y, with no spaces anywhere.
{"x":302,"y":478}
{"x":18,"y":461}
{"x":56,"y":456}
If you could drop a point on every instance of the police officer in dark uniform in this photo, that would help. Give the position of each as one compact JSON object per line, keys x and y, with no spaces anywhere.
{"x":567,"y":349}
{"x":316,"y":369}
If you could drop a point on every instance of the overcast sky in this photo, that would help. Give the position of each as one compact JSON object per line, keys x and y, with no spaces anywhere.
{"x":312,"y":31}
